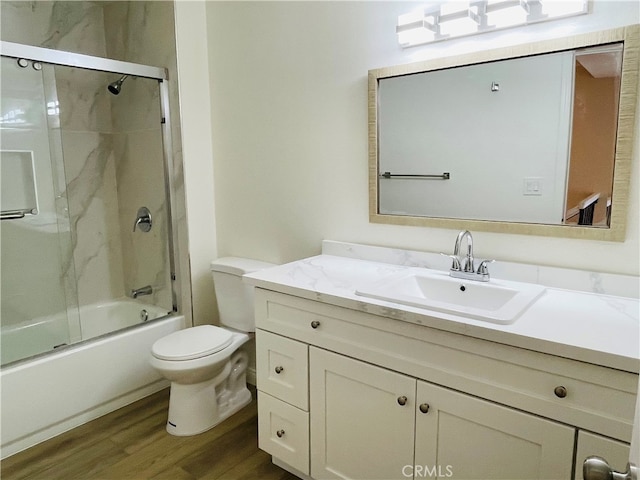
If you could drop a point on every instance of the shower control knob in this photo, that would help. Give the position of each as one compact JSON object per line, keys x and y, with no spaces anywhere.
{"x":560,"y":391}
{"x":280,"y":433}
{"x":402,"y":400}
{"x":279,"y":369}
{"x":424,"y":407}
{"x":143,"y":220}
{"x":315,"y":324}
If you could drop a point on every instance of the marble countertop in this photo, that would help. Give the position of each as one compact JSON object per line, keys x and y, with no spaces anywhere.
{"x":589,"y":327}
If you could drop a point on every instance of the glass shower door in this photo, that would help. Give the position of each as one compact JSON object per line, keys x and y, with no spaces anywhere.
{"x":38,"y":298}
{"x":114,"y":166}
{"x":82,"y":153}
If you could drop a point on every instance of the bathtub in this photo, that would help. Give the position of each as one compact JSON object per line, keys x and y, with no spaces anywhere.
{"x":103,"y":318}
{"x":33,"y":337}
{"x":53,"y":331}
{"x":55,"y":392}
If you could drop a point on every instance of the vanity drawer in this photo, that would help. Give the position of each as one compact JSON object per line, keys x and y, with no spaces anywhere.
{"x":283,"y":431}
{"x":282,"y":368}
{"x":594,"y":398}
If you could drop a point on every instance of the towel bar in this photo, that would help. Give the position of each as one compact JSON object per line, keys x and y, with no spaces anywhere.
{"x":12,"y":215}
{"x":443,"y":176}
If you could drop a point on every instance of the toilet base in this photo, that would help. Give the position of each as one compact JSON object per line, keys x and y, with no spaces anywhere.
{"x":196,"y":408}
{"x":182,"y":426}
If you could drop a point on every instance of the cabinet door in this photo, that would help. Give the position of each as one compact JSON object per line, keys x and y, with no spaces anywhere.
{"x":615,"y":453}
{"x":361,"y":418}
{"x":461,"y":436}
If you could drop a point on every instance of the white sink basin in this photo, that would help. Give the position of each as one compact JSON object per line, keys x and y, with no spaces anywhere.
{"x":497,"y":301}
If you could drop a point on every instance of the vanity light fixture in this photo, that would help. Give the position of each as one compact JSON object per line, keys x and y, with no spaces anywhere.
{"x":507,"y":13}
{"x":562,"y":8}
{"x":416,"y":28}
{"x":460,"y":18}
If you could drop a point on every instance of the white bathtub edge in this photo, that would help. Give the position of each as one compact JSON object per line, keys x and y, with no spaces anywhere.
{"x":80,"y":419}
{"x":51,"y":394}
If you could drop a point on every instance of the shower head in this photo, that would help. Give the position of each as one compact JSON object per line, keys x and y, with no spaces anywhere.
{"x":117,"y":85}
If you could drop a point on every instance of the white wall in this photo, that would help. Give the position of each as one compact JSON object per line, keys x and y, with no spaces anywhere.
{"x":195,"y":112}
{"x":289,"y":107}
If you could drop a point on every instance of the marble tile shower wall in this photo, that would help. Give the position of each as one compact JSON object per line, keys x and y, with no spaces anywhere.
{"x":112,"y":145}
{"x":92,"y":195}
{"x":137,"y":146}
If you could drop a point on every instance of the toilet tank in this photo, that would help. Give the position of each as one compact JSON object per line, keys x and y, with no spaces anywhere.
{"x":235,"y":298}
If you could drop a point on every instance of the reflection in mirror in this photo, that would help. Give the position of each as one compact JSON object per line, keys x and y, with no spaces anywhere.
{"x":532,"y":139}
{"x":596,"y":90}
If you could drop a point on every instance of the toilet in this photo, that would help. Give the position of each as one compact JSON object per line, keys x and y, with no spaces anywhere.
{"x":205,"y":364}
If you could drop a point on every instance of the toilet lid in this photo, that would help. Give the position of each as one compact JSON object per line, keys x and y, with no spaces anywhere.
{"x":192,"y":343}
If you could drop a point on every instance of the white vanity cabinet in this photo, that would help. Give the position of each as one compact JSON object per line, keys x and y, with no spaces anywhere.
{"x":382,"y":398}
{"x":370,"y":423}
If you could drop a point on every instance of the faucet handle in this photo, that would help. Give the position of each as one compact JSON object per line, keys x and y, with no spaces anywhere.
{"x":455,"y":265}
{"x":482,"y":268}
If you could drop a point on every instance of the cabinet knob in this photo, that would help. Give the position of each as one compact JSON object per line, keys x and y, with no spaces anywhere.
{"x":280,"y":433}
{"x":315,"y":324}
{"x":279,"y":369}
{"x":560,"y":391}
{"x":424,"y":407}
{"x":402,"y":400}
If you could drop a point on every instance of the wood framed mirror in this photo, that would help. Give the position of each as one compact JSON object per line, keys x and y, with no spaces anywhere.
{"x":496,"y":140}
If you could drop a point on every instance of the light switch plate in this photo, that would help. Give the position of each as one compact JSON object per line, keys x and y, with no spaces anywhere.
{"x":532,"y":186}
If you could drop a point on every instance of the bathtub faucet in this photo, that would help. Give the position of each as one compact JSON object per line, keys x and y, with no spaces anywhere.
{"x":136,"y":292}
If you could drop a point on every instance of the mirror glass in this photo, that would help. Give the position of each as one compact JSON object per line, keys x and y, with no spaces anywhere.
{"x":528,"y":136}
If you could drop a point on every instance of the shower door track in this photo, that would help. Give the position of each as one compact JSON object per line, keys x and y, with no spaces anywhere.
{"x":89,"y":62}
{"x":70,"y":59}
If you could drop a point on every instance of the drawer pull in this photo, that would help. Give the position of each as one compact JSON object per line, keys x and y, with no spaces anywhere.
{"x":560,"y":391}
{"x":280,"y":433}
{"x":279,"y":369}
{"x":424,"y":407}
{"x":315,"y":324}
{"x":402,"y":400}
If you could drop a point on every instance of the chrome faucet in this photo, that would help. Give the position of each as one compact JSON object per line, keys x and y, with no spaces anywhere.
{"x":464,"y":267}
{"x":467,"y":264}
{"x":137,"y":292}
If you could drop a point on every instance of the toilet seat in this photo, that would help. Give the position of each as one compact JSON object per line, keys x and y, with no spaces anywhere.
{"x":192,"y":343}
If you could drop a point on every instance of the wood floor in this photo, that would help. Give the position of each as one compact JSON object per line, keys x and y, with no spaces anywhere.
{"x":132,"y":443}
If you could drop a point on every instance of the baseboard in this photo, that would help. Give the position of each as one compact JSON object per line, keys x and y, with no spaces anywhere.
{"x":251,"y":376}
